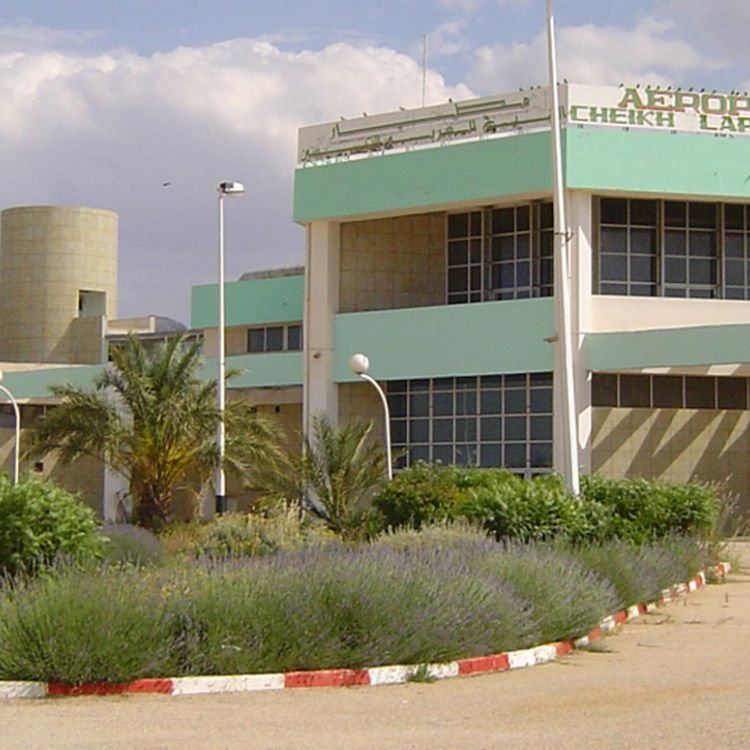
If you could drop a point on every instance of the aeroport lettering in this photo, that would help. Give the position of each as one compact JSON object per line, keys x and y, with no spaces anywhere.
{"x":673,"y":110}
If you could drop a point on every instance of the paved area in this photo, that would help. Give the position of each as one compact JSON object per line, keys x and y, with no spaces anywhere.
{"x":677,"y":679}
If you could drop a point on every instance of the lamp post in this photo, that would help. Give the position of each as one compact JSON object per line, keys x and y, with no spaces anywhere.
{"x":232,"y":189}
{"x":17,"y":413}
{"x":360,"y":364}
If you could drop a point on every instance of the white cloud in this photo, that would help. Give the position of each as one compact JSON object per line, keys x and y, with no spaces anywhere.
{"x":723,"y":22}
{"x":649,"y":53}
{"x":107,"y":130}
{"x":32,"y":38}
{"x":448,"y":40}
{"x":467,"y":6}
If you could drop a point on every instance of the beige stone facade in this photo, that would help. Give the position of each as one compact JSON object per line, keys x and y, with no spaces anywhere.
{"x":58,"y":266}
{"x":392,"y":263}
{"x":85,"y":476}
{"x":677,"y":445}
{"x":360,"y":401}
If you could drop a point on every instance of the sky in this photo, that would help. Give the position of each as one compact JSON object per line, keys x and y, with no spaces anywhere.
{"x":105,"y":101}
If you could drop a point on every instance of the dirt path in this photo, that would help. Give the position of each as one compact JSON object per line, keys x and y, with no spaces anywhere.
{"x":676,"y":679}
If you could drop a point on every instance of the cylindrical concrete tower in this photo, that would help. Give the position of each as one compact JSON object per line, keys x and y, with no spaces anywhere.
{"x":58,"y":283}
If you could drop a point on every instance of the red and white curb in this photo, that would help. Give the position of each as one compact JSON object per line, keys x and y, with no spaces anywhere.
{"x":388,"y":675}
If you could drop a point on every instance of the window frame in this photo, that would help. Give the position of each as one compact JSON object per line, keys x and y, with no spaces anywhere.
{"x":729,"y":256}
{"x":464,"y":420}
{"x":285,"y":331}
{"x":539,"y":233}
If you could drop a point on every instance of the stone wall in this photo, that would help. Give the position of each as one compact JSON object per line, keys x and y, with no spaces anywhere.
{"x":392,"y":263}
{"x":677,"y":445}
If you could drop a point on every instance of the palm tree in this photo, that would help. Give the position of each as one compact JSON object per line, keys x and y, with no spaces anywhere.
{"x":335,"y":475}
{"x":151,"y":419}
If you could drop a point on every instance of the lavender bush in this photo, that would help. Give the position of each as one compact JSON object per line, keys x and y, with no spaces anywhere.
{"x":321,"y":607}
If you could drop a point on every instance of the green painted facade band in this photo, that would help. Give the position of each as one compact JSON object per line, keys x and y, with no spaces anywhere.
{"x":645,"y":161}
{"x":35,"y":384}
{"x":260,"y":370}
{"x":674,"y":347}
{"x":252,"y":302}
{"x":423,"y":179}
{"x":256,"y":371}
{"x":451,"y":340}
{"x":596,"y":158}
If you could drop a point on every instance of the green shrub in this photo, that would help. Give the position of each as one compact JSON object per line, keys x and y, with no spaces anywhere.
{"x":422,"y":494}
{"x":252,"y":534}
{"x":510,"y":507}
{"x":125,"y":543}
{"x":79,"y":626}
{"x":41,"y":523}
{"x":431,"y":535}
{"x":640,"y":510}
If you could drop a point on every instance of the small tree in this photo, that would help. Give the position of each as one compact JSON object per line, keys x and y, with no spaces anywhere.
{"x":152,"y":419}
{"x":41,"y":523}
{"x":335,"y":475}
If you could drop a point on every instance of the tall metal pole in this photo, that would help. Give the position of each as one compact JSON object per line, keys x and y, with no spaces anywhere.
{"x":424,"y":69}
{"x":17,"y":446}
{"x":220,"y":483}
{"x":562,"y":276}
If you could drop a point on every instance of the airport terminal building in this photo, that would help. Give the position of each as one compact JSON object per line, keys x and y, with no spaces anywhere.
{"x":429,"y":247}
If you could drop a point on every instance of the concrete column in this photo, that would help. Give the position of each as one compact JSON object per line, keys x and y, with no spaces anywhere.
{"x":321,"y":306}
{"x":578,"y":205}
{"x":581,"y":226}
{"x":116,"y":502}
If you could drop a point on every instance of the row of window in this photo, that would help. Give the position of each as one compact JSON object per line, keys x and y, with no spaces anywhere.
{"x":500,"y":253}
{"x":495,"y":421}
{"x":663,"y":248}
{"x":670,"y":392}
{"x":276,"y":338}
{"x":672,"y":248}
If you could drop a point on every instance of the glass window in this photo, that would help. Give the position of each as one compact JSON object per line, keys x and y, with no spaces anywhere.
{"x":294,"y":338}
{"x":672,"y":249}
{"x":603,"y":390}
{"x":667,"y":392}
{"x":491,"y":420}
{"x":732,"y":393}
{"x":256,"y":340}
{"x":627,"y":252}
{"x":274,"y":339}
{"x":500,"y":253}
{"x":700,"y":393}
{"x":635,"y":390}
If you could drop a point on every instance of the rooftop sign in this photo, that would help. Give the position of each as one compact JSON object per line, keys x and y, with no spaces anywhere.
{"x":659,"y":108}
{"x":472,"y":119}
{"x":525,"y":111}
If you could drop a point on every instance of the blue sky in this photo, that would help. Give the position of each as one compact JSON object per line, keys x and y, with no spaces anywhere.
{"x":105,"y":101}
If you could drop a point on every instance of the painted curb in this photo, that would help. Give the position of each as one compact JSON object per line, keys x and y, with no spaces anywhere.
{"x":387,"y":675}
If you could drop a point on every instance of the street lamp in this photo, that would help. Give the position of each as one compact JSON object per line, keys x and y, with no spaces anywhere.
{"x":360,"y":364}
{"x":232,"y":189}
{"x":17,"y":412}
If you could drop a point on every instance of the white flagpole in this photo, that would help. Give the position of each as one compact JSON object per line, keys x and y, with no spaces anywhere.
{"x":562,"y":277}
